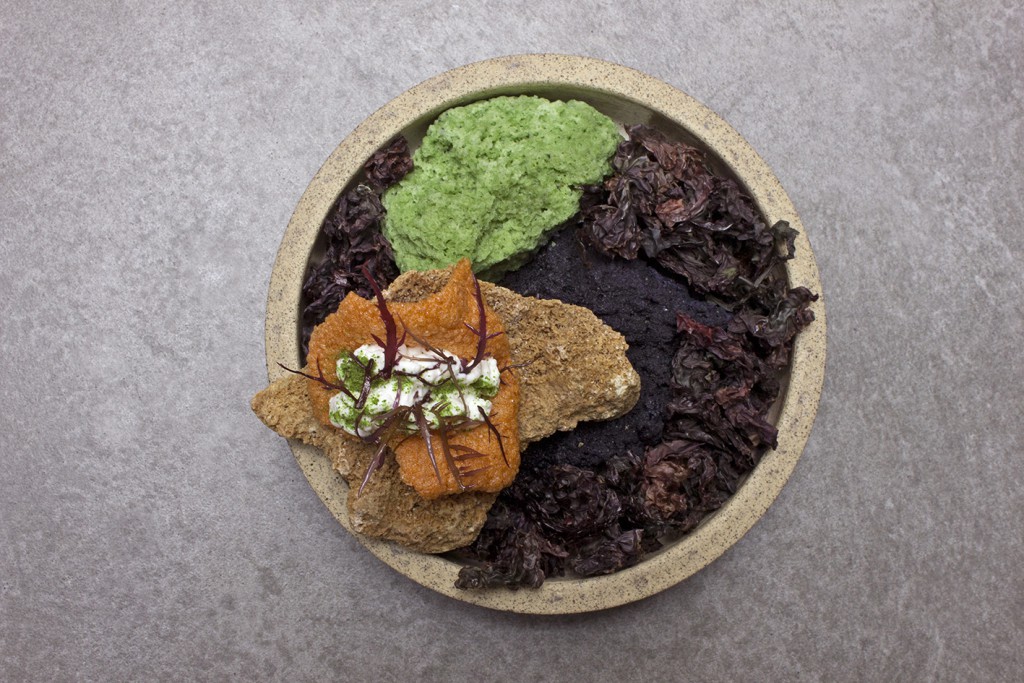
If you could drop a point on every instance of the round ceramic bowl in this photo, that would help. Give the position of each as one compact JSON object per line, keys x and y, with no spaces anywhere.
{"x":629,"y":97}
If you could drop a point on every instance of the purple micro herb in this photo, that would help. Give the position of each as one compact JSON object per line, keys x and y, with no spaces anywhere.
{"x":480,"y":331}
{"x":408,"y":420}
{"x":391,"y":341}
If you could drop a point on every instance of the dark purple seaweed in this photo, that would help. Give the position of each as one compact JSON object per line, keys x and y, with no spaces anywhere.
{"x":663,"y":205}
{"x":664,"y":200}
{"x":389,"y":165}
{"x":354,"y":241}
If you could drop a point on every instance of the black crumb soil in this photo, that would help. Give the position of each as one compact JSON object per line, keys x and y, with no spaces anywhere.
{"x":641,"y":303}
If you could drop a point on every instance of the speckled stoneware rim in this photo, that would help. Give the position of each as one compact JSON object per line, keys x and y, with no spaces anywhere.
{"x":566,"y":76}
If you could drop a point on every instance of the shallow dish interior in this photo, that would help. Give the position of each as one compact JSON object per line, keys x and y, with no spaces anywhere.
{"x":628,"y":97}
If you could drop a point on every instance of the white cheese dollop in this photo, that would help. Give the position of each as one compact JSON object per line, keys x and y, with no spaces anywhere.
{"x":434,"y":380}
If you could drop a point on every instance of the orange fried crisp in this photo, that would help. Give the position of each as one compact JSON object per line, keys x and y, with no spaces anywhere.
{"x":471,"y":457}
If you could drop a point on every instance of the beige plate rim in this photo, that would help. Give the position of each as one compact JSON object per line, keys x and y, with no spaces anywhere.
{"x":512,"y":74}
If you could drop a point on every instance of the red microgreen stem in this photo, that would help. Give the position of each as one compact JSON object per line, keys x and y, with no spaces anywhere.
{"x":421,"y":422}
{"x":481,"y":331}
{"x":364,"y":393}
{"x":391,"y":343}
{"x":466,"y":453}
{"x":470,"y":473}
{"x":375,"y":464}
{"x":494,"y":430}
{"x":453,"y":467}
{"x":321,"y":379}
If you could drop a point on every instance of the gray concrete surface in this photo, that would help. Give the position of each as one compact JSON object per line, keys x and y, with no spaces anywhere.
{"x":152,"y":529}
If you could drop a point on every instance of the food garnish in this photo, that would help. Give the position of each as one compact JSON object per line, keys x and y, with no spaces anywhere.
{"x":430,"y":380}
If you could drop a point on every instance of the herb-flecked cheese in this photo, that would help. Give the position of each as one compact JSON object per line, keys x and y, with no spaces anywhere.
{"x":435,"y":381}
{"x":492,"y":179}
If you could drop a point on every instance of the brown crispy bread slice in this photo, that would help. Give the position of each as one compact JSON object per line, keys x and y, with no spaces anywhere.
{"x":387,"y":508}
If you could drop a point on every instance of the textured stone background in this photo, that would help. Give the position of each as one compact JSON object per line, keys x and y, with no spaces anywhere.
{"x":151,"y":528}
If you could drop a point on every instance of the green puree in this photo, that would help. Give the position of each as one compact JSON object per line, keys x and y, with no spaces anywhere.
{"x":493,"y":178}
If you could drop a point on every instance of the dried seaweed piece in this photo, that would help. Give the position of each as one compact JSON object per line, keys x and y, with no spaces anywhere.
{"x":576,"y":503}
{"x":552,"y":520}
{"x":510,"y":551}
{"x":682,"y":483}
{"x":726,"y":379}
{"x":723,"y":389}
{"x":609,"y":555}
{"x":389,"y":165}
{"x":665,"y":200}
{"x":787,"y":315}
{"x":355,"y":244}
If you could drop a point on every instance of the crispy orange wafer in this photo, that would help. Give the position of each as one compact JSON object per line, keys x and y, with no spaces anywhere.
{"x":441,"y":320}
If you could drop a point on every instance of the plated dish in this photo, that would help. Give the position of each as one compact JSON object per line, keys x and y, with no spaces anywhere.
{"x":666,"y":130}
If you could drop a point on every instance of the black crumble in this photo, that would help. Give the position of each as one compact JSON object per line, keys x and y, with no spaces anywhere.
{"x":638,"y":301}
